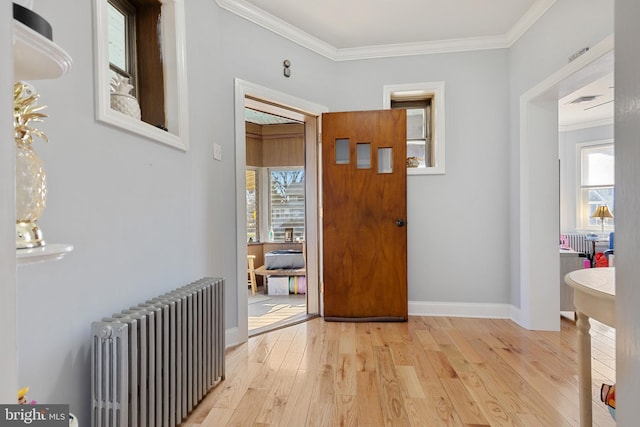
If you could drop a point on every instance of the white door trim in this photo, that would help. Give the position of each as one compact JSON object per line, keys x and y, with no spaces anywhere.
{"x":313,"y":111}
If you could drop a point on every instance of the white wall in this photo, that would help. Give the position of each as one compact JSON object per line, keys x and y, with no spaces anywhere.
{"x":452,"y":217}
{"x":627,"y":149}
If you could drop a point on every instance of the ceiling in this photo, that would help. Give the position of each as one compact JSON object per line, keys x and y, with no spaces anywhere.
{"x":360,"y":29}
{"x":357,"y":29}
{"x":590,"y":105}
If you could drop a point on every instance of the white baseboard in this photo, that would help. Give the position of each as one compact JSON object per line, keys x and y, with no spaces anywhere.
{"x":460,"y":309}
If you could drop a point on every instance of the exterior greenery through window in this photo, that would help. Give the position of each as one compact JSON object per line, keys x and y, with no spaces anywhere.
{"x":597,"y":183}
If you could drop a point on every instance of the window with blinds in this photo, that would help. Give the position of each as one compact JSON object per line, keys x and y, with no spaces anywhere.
{"x":286,"y":202}
{"x":253,"y":202}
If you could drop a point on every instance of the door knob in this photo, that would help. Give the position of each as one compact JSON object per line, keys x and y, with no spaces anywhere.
{"x":400,"y":222}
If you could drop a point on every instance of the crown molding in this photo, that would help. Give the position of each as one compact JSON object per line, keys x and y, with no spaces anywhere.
{"x":421,"y":48}
{"x":527,"y":20}
{"x":294,"y":34}
{"x":274,"y":24}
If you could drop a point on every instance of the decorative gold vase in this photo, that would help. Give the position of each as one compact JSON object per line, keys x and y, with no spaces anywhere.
{"x":31,"y":196}
{"x":31,"y":180}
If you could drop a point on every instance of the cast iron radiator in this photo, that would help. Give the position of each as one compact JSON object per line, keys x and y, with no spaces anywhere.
{"x":578,"y":242}
{"x":153,"y":363}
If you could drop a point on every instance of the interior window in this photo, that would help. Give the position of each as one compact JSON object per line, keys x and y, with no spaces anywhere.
{"x":133,"y":27}
{"x":425,"y":107}
{"x":419,"y":145}
{"x":121,"y":40}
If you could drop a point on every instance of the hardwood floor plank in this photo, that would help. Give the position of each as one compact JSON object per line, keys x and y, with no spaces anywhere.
{"x":369,"y":411}
{"x":429,"y":371}
{"x":390,"y":395}
{"x":248,"y":408}
{"x":297,"y":408}
{"x":466,"y":406}
{"x":410,"y":383}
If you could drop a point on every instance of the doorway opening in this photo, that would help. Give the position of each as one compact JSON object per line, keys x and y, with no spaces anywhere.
{"x":277,"y":203}
{"x":275,"y":192}
{"x":539,"y":205}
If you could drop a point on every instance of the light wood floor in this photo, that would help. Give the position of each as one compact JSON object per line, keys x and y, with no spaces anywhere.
{"x":430,"y":371}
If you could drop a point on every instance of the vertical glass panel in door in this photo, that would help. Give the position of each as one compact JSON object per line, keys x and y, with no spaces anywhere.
{"x":342,"y":151}
{"x":363,"y":151}
{"x":385,"y":160}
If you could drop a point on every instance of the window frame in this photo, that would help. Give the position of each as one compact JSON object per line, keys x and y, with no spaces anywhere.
{"x":583,"y":214}
{"x":258,"y":203}
{"x":129,"y":12}
{"x":175,"y":103}
{"x":269,"y":199}
{"x":435,"y":91}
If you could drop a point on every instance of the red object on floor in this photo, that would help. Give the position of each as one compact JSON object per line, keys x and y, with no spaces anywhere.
{"x":601,"y":260}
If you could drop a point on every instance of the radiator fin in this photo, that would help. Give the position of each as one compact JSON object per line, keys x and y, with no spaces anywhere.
{"x":153,"y":363}
{"x":578,"y":242}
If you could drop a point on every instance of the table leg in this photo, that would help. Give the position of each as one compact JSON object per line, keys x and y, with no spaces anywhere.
{"x":584,"y":369}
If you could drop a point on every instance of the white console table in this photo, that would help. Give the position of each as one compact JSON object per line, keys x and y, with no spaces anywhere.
{"x":595,"y":294}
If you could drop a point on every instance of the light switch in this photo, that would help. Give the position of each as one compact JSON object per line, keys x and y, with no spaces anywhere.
{"x":217,"y":151}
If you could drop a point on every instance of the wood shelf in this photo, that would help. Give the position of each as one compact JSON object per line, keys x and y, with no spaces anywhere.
{"x":36,"y":57}
{"x":49,"y":252}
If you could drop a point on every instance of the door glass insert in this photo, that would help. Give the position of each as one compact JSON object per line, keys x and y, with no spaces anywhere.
{"x":385,"y":160}
{"x":364,"y":155}
{"x":342,"y":151}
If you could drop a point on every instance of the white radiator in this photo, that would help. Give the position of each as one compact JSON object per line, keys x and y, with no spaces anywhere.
{"x":578,"y":242}
{"x":152,"y":364}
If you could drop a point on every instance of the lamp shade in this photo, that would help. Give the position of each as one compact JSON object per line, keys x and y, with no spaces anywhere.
{"x":602,"y":212}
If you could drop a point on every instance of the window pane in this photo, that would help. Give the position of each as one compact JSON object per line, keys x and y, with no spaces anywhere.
{"x":416,"y":124}
{"x":252,"y":206}
{"x":596,"y":197}
{"x":342,"y":151}
{"x":416,"y":150}
{"x":598,"y":165}
{"x":287,"y":202}
{"x":364,"y":155}
{"x":385,"y":160}
{"x":117,"y":38}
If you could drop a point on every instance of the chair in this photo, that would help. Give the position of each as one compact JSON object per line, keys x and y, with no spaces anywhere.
{"x":252,"y":273}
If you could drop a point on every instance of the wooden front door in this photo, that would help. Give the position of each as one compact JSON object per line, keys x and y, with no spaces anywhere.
{"x":364,"y":189}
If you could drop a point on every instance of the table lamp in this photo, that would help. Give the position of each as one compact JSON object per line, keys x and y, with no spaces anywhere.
{"x":602,"y":212}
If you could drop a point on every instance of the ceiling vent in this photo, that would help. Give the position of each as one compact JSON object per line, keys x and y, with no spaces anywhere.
{"x":587,"y":98}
